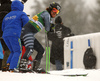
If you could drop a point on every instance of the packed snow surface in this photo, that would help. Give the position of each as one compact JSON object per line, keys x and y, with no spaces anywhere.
{"x":93,"y":75}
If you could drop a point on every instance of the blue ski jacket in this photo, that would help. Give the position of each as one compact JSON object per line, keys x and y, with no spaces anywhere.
{"x":14,"y":21}
{"x":1,"y":51}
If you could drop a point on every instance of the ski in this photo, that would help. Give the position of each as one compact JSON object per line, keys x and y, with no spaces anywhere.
{"x":68,"y":73}
{"x":57,"y":74}
{"x":75,"y":74}
{"x":39,"y":70}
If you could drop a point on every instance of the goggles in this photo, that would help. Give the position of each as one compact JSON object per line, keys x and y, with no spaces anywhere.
{"x":55,"y":10}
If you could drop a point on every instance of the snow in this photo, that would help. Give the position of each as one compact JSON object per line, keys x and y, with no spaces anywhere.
{"x":93,"y":75}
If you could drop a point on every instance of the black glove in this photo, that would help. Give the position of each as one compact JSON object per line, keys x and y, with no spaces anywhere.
{"x":72,"y":34}
{"x":52,"y":27}
{"x":23,"y":1}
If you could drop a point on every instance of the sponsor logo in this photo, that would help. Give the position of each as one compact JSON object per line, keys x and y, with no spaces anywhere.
{"x":9,"y":18}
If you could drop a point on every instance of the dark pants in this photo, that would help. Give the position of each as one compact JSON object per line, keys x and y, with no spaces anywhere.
{"x":5,"y":48}
{"x":0,"y":64}
{"x":58,"y":65}
{"x":6,"y":53}
{"x":32,"y":44}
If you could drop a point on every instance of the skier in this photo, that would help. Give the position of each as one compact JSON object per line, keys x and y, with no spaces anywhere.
{"x":56,"y":36}
{"x":11,"y":27}
{"x":36,"y":24}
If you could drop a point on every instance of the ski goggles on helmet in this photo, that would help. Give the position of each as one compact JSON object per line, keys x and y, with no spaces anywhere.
{"x":55,"y":10}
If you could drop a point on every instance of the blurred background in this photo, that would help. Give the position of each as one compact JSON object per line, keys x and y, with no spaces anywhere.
{"x":81,"y":16}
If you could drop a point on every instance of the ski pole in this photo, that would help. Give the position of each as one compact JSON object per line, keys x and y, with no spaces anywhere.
{"x":47,"y":53}
{"x":46,"y":60}
{"x":46,"y":50}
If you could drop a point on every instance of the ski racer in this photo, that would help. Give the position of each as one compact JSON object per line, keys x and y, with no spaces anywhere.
{"x":36,"y":24}
{"x":11,"y":26}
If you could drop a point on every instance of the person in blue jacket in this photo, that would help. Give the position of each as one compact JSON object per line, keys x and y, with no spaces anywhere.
{"x":11,"y":27}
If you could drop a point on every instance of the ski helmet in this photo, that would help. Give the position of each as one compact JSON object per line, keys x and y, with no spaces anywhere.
{"x":55,"y":5}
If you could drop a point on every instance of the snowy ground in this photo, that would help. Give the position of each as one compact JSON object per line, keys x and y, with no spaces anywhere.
{"x":93,"y":75}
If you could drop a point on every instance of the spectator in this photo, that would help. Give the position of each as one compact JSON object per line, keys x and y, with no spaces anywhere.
{"x":11,"y":27}
{"x":60,"y":31}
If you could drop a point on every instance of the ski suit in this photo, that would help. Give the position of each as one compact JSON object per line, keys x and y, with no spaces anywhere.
{"x":11,"y":27}
{"x":36,"y":24}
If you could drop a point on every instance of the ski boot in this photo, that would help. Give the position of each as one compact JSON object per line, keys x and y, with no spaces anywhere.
{"x":6,"y":68}
{"x":23,"y":66}
{"x":36,"y":67}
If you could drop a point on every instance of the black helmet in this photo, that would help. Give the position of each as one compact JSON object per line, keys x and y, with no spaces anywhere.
{"x":55,"y":5}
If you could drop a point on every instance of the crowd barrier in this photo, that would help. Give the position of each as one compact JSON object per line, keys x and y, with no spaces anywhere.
{"x":75,"y":47}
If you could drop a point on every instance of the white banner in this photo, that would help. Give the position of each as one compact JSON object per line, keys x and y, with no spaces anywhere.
{"x":75,"y":47}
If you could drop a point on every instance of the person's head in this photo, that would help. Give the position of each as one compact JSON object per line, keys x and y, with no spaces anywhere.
{"x":17,"y":6}
{"x":54,"y":9}
{"x":58,"y":20}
